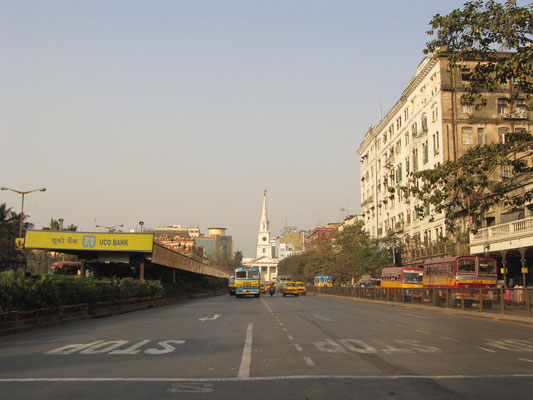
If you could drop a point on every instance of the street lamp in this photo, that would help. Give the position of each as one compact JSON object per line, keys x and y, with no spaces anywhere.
{"x":110,"y":228}
{"x":141,"y":223}
{"x":22,"y":207}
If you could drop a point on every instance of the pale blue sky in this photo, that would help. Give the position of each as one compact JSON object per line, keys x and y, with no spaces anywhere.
{"x":183,"y":112}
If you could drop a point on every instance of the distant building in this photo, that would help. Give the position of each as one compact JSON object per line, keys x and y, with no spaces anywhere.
{"x":264,"y":259}
{"x":319,"y":234}
{"x":216,"y":245}
{"x":289,"y":242}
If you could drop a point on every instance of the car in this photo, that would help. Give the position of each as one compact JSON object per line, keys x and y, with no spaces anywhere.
{"x":301,"y":288}
{"x":290,"y":288}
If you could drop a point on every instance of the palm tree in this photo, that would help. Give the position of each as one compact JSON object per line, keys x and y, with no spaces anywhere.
{"x":54,"y":225}
{"x":10,"y":222}
{"x":72,"y":228}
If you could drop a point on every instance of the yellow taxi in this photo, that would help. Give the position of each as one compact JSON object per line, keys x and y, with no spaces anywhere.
{"x":290,"y":288}
{"x":301,"y":288}
{"x":263,"y":288}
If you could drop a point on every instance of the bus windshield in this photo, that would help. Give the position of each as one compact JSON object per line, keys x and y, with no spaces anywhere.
{"x":247,"y":275}
{"x":412,"y":277}
{"x":466,"y":265}
{"x":487,"y":266}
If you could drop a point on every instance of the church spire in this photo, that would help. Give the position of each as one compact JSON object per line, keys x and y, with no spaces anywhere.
{"x":263,"y":224}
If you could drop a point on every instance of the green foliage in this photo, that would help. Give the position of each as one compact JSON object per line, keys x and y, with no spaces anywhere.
{"x":492,"y":174}
{"x":351,"y":254}
{"x":480,"y":31}
{"x":44,"y":290}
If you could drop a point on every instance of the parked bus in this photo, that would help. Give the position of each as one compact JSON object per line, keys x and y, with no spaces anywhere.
{"x":405,"y":278}
{"x":247,"y":281}
{"x":465,"y":275}
{"x":323,"y":281}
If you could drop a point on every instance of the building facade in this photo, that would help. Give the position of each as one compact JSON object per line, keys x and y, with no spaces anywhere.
{"x":427,"y":126}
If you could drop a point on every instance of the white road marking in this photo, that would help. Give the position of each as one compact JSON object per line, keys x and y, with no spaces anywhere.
{"x":280,"y":324}
{"x":133,"y":349}
{"x":72,"y":348}
{"x":298,"y":347}
{"x":191,"y":388}
{"x":449,"y":338}
{"x":210,"y":318}
{"x":525,"y":359}
{"x":416,"y":316}
{"x":269,"y":378}
{"x":244,"y":370}
{"x":322,"y":318}
{"x":401,"y":326}
{"x":290,"y":337}
{"x":384,"y":321}
{"x":489,"y":350}
{"x":418,"y":330}
{"x":309,"y":362}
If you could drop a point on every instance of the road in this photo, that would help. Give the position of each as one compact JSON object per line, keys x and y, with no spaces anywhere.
{"x":312,"y":347}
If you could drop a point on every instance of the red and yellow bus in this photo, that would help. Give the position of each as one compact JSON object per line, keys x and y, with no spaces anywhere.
{"x":403,"y":281}
{"x":402,"y":277}
{"x":465,"y":275}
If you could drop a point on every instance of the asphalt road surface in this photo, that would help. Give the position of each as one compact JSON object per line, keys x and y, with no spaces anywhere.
{"x":312,"y":347}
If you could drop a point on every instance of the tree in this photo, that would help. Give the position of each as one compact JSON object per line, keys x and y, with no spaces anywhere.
{"x":490,"y":174}
{"x":478,"y":32}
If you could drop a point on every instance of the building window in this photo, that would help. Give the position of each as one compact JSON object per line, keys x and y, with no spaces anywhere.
{"x":407,"y":169}
{"x":466,"y":108}
{"x":425,"y":150}
{"x":399,"y":173}
{"x":406,"y":138}
{"x":414,"y":128}
{"x":465,"y":74}
{"x":481,"y":136}
{"x":502,"y":134}
{"x":415,"y":160}
{"x":466,"y":134}
{"x":503,"y":106}
{"x":436,"y":145}
{"x":398,"y":146}
{"x":424,"y":122}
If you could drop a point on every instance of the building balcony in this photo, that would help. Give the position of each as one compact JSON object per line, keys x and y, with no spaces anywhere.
{"x":512,"y":235}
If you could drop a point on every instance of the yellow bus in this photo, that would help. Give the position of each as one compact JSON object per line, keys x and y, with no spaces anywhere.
{"x":323,"y":281}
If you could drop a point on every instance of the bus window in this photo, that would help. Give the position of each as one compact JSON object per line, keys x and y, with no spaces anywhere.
{"x":487,"y":266}
{"x":412,"y":277}
{"x":253,"y":274}
{"x":241,"y":274}
{"x":466,"y":265}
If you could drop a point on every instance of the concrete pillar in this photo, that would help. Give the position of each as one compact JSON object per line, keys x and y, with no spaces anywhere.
{"x":524,"y":266}
{"x":504,"y":266}
{"x":173,"y":275}
{"x":141,"y":272}
{"x":82,"y":267}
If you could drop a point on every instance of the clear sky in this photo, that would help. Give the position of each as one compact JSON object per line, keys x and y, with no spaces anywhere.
{"x":183,"y":112}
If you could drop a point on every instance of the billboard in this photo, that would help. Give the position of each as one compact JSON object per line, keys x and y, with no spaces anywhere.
{"x":90,"y":241}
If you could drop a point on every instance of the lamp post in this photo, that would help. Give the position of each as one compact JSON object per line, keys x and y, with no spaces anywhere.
{"x":22,"y":206}
{"x":141,"y":223}
{"x":110,"y":228}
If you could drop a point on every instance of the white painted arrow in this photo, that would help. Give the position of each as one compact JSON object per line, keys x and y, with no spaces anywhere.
{"x":207,"y":318}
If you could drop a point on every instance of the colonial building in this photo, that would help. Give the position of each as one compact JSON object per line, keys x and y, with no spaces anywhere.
{"x":429,"y":125}
{"x":320,"y":233}
{"x":264,"y":249}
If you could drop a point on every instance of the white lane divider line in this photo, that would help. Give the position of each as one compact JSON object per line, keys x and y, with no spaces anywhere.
{"x":284,"y":329}
{"x":322,"y":318}
{"x":246,"y":361}
{"x":384,"y":321}
{"x":416,"y":316}
{"x":309,"y":362}
{"x":290,"y":337}
{"x":298,"y":347}
{"x":418,"y":330}
{"x":449,"y":338}
{"x":280,"y":323}
{"x":400,"y":325}
{"x":489,"y":350}
{"x":525,"y":359}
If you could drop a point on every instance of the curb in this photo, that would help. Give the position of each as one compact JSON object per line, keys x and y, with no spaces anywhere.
{"x":461,"y":313}
{"x":22,"y":321}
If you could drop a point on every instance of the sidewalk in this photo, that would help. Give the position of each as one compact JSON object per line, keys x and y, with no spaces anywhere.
{"x":473,"y":313}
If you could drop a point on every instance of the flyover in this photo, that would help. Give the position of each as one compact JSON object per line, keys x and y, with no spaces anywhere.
{"x":120,"y":251}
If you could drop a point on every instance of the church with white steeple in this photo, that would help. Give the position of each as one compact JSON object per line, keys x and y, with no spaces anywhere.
{"x":264,"y":258}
